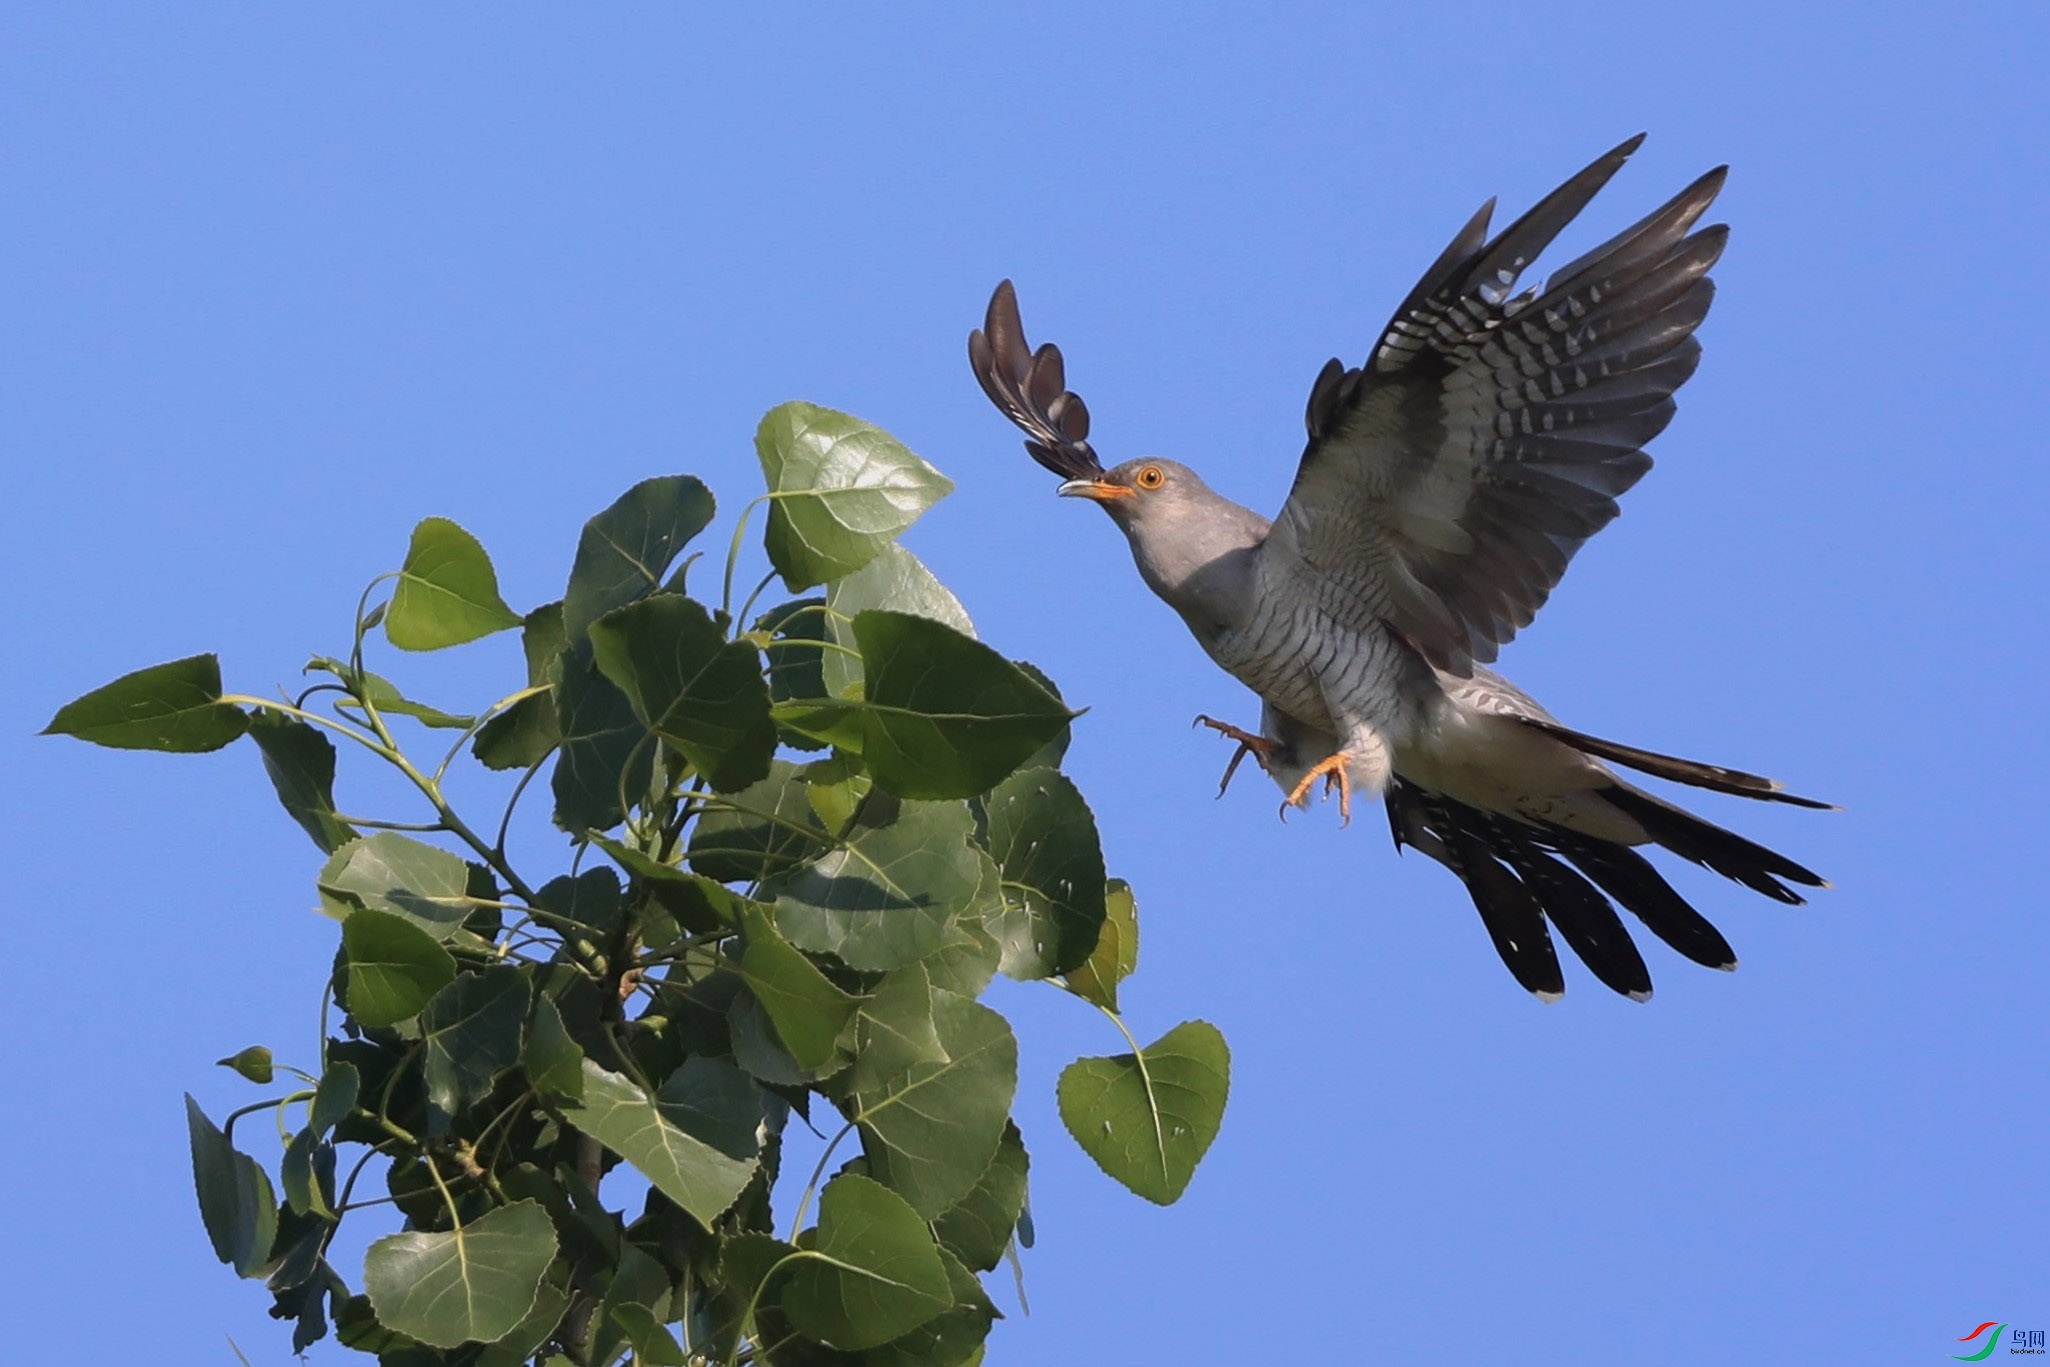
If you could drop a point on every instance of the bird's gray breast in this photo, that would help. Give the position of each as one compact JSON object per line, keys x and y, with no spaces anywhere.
{"x":1313,"y":643}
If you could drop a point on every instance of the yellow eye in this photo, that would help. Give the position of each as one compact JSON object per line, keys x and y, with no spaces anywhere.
{"x":1150,"y":477}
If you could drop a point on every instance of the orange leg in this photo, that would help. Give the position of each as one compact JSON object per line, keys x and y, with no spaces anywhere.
{"x":1332,"y":770}
{"x":1259,"y":747}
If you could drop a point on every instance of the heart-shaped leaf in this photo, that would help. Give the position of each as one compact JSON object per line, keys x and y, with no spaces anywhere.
{"x":930,"y":1129}
{"x":840,"y":490}
{"x":471,"y":1284}
{"x":1147,"y":1119}
{"x":940,"y":716}
{"x":470,"y":1033}
{"x":447,"y":592}
{"x":883,"y":896}
{"x":702,"y":694}
{"x":625,"y":550}
{"x":1051,"y":895}
{"x":407,"y":878}
{"x":874,"y":1272}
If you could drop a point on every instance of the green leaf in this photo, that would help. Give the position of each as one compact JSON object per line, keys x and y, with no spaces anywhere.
{"x":607,"y":758}
{"x":333,"y":1098}
{"x":523,"y":733}
{"x":979,"y":1226}
{"x":952,"y":1338}
{"x":301,"y":765}
{"x":1147,"y":1119}
{"x":473,"y":1284}
{"x":943,"y":716}
{"x":967,"y":958}
{"x":389,"y":872}
{"x":384,"y":695}
{"x":175,"y":707}
{"x":767,"y":829}
{"x":835,"y":787}
{"x":356,"y":1327}
{"x":554,"y":1062}
{"x":308,"y":1174}
{"x":1050,"y":755}
{"x":638,"y":1282}
{"x":895,"y":581}
{"x":791,"y":634}
{"x":699,"y":692}
{"x":653,"y":1344}
{"x":591,"y":899}
{"x":697,"y":903}
{"x":873,"y":1274}
{"x":714,"y":1100}
{"x":471,"y":1034}
{"x":882,"y":898}
{"x":518,"y":1346}
{"x":1043,"y":838}
{"x":253,"y":1063}
{"x":840,"y":490}
{"x":394,"y":968}
{"x":807,"y":1010}
{"x":625,"y":550}
{"x":747,"y":1261}
{"x":758,"y":1049}
{"x":658,"y":1139}
{"x":1116,"y":954}
{"x":929,"y":1131}
{"x":236,"y":1200}
{"x":894,"y":1028}
{"x":447,"y":592}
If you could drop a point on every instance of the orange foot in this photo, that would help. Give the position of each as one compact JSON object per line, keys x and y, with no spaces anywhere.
{"x":1259,"y":747}
{"x":1332,"y":769}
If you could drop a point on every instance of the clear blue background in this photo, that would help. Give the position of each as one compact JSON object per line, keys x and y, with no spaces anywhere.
{"x":280,"y":281}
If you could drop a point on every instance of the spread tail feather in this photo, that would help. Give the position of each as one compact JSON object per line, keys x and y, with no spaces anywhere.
{"x":1521,"y":876}
{"x":1688,"y":771}
{"x":1712,"y":847}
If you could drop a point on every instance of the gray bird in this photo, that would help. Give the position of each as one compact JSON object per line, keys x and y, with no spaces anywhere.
{"x":1447,"y":482}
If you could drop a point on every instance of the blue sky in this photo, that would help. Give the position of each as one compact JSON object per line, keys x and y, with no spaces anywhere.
{"x":283,"y":280}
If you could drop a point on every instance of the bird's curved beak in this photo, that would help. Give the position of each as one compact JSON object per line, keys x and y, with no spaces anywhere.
{"x":1101,"y":490}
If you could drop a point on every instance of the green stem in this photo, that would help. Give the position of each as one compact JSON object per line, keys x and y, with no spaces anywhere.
{"x":1118,"y":1021}
{"x":454,"y":1219}
{"x":804,"y":1199}
{"x":733,"y":552}
{"x":747,"y":1316}
{"x":477,"y":724}
{"x":273,"y":705}
{"x":505,"y":821}
{"x":372,"y":823}
{"x":748,"y":606}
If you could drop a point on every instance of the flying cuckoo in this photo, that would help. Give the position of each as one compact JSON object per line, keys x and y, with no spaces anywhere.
{"x":1446,"y":483}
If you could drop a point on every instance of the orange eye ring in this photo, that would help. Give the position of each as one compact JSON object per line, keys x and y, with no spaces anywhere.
{"x":1150,"y":477}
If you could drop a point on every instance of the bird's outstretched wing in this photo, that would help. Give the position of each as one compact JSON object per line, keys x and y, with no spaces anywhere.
{"x":1490,"y":433}
{"x":1032,"y":390}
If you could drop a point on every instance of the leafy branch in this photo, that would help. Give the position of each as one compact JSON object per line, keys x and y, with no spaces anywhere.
{"x":795,"y":851}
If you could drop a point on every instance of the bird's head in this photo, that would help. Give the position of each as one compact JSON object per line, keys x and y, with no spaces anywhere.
{"x":1149,"y":491}
{"x":1187,"y":540}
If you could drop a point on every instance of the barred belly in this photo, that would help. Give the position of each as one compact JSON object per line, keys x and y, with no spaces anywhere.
{"x":1308,"y":660}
